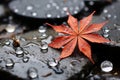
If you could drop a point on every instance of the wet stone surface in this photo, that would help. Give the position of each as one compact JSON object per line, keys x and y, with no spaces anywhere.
{"x":111,"y":30}
{"x":33,"y":59}
{"x":30,"y":62}
{"x":104,"y":73}
{"x":46,"y":8}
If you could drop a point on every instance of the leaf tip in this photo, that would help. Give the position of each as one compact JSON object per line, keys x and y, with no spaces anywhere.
{"x":92,"y":61}
{"x":93,"y":12}
{"x":48,"y":24}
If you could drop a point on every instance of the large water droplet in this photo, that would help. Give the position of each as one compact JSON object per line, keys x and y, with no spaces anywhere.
{"x":32,"y":73}
{"x":9,"y":63}
{"x":44,"y":47}
{"x":42,"y":29}
{"x":43,"y":35}
{"x":106,"y":35}
{"x":106,"y":30}
{"x":10,"y":28}
{"x":19,"y":52}
{"x":106,"y":66}
{"x":25,"y":59}
{"x":52,"y":63}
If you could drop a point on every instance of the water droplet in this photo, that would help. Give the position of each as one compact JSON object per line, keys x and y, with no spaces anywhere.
{"x":57,"y":7}
{"x":106,"y":30}
{"x":19,"y":52}
{"x":105,"y":11}
{"x":75,"y":12}
{"x":71,"y":9}
{"x":97,"y":77}
{"x":32,"y":73}
{"x":34,"y":37}
{"x":23,"y":13}
{"x":65,"y":8}
{"x":44,"y":47}
{"x":43,"y":35}
{"x":7,"y":43}
{"x":48,"y":6}
{"x":34,"y":14}
{"x":49,"y":15}
{"x":106,"y":35}
{"x":58,"y":16}
{"x":42,"y":29}
{"x":25,"y":59}
{"x":109,"y":16}
{"x":16,"y":10}
{"x":52,"y":63}
{"x":106,"y":66}
{"x":10,"y":28}
{"x":114,"y":16}
{"x":10,"y":17}
{"x":86,"y":9}
{"x":77,"y":8}
{"x":54,"y":4}
{"x":29,"y":7}
{"x":9,"y":63}
{"x":91,"y":3}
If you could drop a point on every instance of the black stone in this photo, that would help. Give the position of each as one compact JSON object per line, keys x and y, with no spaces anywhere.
{"x":38,"y":60}
{"x":112,"y":14}
{"x":46,"y":8}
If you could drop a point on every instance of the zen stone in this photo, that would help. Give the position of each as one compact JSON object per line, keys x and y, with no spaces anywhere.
{"x":46,"y":8}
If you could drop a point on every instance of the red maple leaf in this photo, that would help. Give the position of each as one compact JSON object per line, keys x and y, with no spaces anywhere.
{"x":77,"y":34}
